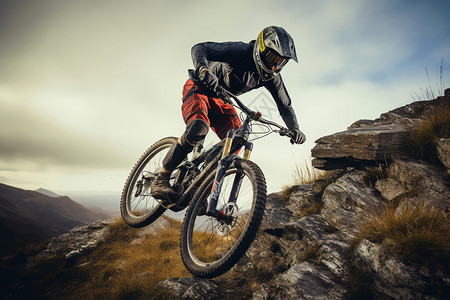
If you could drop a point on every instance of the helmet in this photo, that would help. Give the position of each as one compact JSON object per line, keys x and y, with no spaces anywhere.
{"x":273,"y":49}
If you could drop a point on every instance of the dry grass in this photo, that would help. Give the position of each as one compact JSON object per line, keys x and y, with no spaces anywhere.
{"x":421,"y":143}
{"x":135,"y":269}
{"x":311,"y":253}
{"x":209,"y":246}
{"x":429,"y":92}
{"x":417,"y":234}
{"x":117,"y":269}
{"x":302,"y":175}
{"x":307,"y":174}
{"x":314,"y":207}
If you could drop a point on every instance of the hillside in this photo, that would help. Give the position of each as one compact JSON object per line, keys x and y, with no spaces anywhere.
{"x":33,"y":217}
{"x":376,"y":225}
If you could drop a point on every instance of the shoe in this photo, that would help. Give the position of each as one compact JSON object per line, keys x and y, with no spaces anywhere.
{"x":161,"y":189}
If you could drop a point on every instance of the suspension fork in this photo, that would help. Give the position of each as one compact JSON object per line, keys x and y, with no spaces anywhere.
{"x":224,"y":163}
{"x":238,"y":177}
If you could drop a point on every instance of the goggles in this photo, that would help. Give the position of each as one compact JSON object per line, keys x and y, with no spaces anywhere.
{"x":273,"y":61}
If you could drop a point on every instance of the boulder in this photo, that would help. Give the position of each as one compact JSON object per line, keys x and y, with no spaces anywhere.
{"x":191,"y":288}
{"x":394,"y":279}
{"x":302,"y":281}
{"x":420,"y":182}
{"x":76,"y":242}
{"x":348,"y":200}
{"x":443,"y":150}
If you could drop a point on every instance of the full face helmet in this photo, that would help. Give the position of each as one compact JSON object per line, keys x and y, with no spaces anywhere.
{"x":273,"y":49}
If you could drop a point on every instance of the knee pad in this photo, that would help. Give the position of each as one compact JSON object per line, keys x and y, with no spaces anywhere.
{"x":195,"y":133}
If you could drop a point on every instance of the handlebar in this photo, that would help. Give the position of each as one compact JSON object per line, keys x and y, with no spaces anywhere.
{"x":226,"y":96}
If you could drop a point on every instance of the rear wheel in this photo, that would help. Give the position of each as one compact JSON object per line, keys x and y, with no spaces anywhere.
{"x":210,"y":247}
{"x":137,"y":205}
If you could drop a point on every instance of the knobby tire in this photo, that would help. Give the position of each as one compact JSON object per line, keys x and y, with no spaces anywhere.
{"x":142,"y":210}
{"x":209,"y":249}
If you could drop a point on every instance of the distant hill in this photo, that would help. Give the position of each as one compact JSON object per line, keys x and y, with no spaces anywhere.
{"x":47,"y":193}
{"x":32,"y":216}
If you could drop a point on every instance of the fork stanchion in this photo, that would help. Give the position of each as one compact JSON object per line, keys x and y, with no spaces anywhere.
{"x":228,"y":143}
{"x":248,"y":150}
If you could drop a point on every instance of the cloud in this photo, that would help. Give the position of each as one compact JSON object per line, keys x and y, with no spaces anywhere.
{"x":29,"y":137}
{"x":91,"y":85}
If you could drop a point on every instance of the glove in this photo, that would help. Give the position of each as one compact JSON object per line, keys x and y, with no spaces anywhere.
{"x":298,"y":137}
{"x":209,"y":80}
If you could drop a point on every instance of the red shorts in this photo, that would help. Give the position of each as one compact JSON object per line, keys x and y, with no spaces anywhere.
{"x":219,"y":115}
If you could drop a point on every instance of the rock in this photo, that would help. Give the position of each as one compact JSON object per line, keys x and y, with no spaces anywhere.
{"x":77,"y":241}
{"x":421,"y":180}
{"x":443,"y":150}
{"x":84,"y":238}
{"x":348,"y":200}
{"x":302,"y":281}
{"x":392,"y":278}
{"x":305,"y":253}
{"x":357,"y":145}
{"x":276,"y":213}
{"x":191,"y":288}
{"x":390,"y":189}
{"x":369,"y":141}
{"x":407,"y":116}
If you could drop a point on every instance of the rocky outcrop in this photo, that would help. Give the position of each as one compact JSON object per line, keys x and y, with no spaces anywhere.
{"x":77,"y":241}
{"x":83,"y":239}
{"x":311,"y":257}
{"x":358,"y":146}
{"x":368,"y":142}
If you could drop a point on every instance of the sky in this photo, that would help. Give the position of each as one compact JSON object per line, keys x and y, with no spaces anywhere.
{"x":87,"y":86}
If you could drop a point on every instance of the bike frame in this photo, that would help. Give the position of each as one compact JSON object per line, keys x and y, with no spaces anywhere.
{"x":190,"y":177}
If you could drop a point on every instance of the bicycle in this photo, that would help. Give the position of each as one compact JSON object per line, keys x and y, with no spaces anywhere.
{"x":226,"y":195}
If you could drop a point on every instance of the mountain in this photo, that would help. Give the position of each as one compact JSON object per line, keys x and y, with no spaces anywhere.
{"x":32,"y":217}
{"x":47,"y":193}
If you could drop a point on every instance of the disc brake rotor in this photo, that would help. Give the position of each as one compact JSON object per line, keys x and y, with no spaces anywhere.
{"x":230,"y":210}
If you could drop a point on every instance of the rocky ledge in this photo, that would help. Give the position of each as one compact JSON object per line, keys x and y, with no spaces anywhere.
{"x":370,"y":141}
{"x":84,"y":238}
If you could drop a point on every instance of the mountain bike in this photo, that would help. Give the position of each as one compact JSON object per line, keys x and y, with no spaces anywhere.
{"x":226,"y":195}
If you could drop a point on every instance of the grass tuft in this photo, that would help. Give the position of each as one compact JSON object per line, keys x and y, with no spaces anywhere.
{"x":302,"y":175}
{"x":311,"y":253}
{"x":422,"y":140}
{"x":429,"y":92}
{"x":417,"y":234}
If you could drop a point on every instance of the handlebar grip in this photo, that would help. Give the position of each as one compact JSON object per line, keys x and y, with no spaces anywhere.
{"x":288,"y":133}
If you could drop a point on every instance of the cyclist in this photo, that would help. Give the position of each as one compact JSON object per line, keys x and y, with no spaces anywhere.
{"x":239,"y":67}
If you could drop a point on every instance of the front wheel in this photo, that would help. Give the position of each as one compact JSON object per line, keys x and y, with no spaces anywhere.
{"x":210,"y":247}
{"x":137,"y":205}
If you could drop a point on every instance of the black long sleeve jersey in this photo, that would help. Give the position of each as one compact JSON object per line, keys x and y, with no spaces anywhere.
{"x":233,"y":64}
